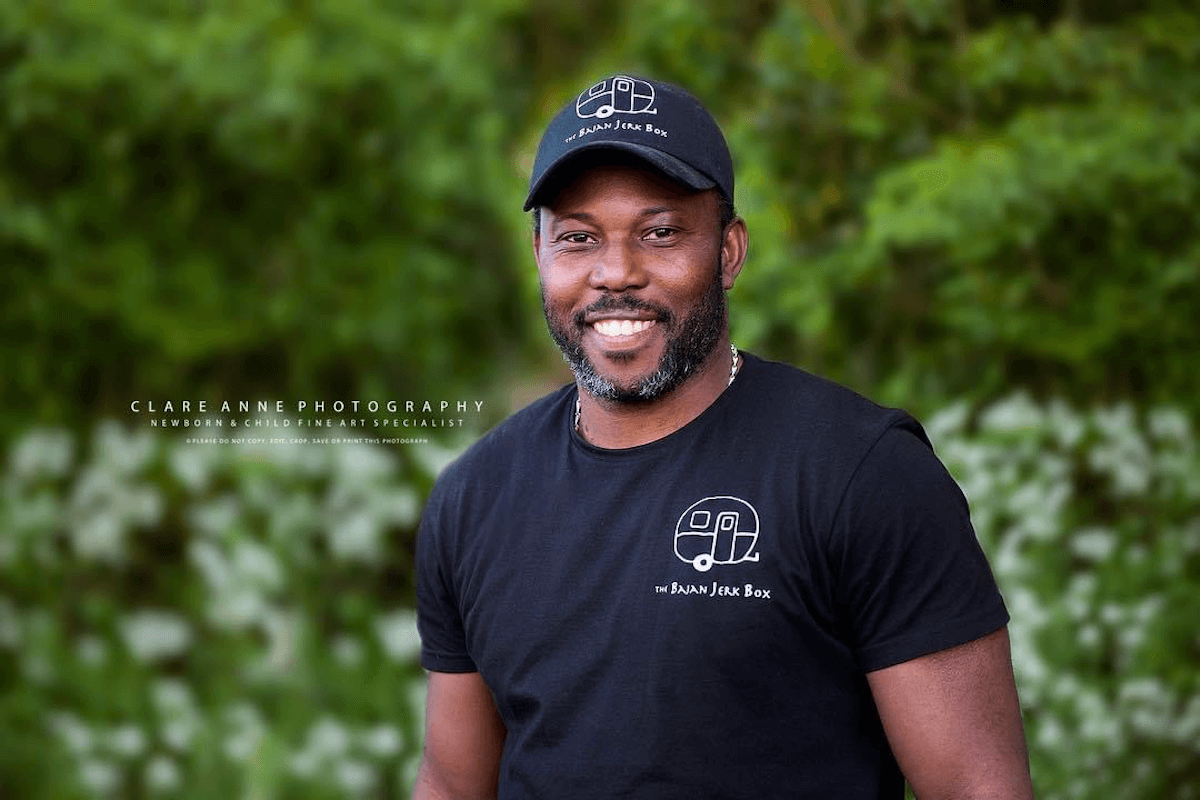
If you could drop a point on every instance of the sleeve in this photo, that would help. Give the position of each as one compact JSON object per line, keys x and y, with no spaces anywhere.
{"x":439,"y":621}
{"x":911,"y":576}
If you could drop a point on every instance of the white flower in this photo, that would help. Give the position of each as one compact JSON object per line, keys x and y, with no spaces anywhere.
{"x":180,"y":721}
{"x":418,"y":691}
{"x":1065,"y":424}
{"x":1050,"y":733}
{"x":76,"y":735}
{"x":193,"y":464}
{"x":1014,"y":413}
{"x":101,"y":509}
{"x":1118,"y":422}
{"x":401,"y":506}
{"x":947,"y":422}
{"x":1112,"y":614}
{"x":328,"y":738}
{"x":156,"y":635}
{"x":213,"y":565}
{"x":91,"y":649}
{"x":398,"y":635}
{"x":433,"y":458}
{"x":1169,"y":424}
{"x":237,"y":609}
{"x":358,"y":464}
{"x":161,"y":774}
{"x":247,"y":731}
{"x":178,"y":733}
{"x":10,"y":625}
{"x":1093,"y":544}
{"x":1097,"y":722}
{"x":408,"y":770}
{"x":44,"y":451}
{"x":348,"y":650}
{"x":215,"y":517}
{"x":281,"y":631}
{"x":236,"y":584}
{"x":382,"y":741}
{"x":291,"y":517}
{"x":171,"y":695}
{"x":355,"y":537}
{"x":37,"y":668}
{"x":127,"y":741}
{"x":257,"y":565}
{"x":99,"y":776}
{"x":100,"y":537}
{"x":307,"y":460}
{"x":122,"y":452}
{"x":142,"y":505}
{"x":304,"y":764}
{"x":355,"y":776}
{"x":1089,"y":636}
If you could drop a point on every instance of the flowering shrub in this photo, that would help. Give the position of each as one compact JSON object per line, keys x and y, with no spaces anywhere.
{"x":214,"y":621}
{"x":204,"y":621}
{"x":1092,"y":522}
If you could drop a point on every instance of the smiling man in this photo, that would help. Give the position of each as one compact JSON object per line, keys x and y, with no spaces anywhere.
{"x":695,"y":573}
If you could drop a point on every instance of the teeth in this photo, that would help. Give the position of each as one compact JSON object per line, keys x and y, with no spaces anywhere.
{"x":621,"y":327}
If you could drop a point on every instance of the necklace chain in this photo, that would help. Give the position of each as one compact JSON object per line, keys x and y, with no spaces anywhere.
{"x":733,"y":371}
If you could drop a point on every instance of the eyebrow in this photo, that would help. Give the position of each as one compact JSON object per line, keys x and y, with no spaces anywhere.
{"x":653,"y":210}
{"x":583,"y":216}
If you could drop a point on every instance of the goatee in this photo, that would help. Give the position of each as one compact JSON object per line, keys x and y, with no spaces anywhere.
{"x":689,"y":341}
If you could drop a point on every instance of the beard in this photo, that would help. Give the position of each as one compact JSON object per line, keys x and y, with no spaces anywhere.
{"x":689,"y":341}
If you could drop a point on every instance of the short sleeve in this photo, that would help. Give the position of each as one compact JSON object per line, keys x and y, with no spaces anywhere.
{"x":439,"y":622}
{"x":911,"y":576}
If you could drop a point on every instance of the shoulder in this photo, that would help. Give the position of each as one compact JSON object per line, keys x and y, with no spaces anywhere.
{"x":531,"y":433}
{"x":818,"y":409}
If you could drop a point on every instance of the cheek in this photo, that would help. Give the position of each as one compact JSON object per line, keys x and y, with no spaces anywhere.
{"x":692,"y":281}
{"x":556,"y":304}
{"x":559,"y":287}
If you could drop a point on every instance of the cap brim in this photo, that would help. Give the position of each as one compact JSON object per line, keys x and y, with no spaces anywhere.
{"x":665,"y":163}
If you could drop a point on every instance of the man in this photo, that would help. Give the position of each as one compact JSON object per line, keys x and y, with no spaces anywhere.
{"x":694,"y":573}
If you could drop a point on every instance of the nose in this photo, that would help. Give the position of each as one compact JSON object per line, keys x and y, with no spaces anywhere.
{"x":618,"y":268}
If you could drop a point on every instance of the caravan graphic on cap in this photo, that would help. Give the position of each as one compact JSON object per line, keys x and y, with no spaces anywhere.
{"x":618,"y":94}
{"x":717,"y":530}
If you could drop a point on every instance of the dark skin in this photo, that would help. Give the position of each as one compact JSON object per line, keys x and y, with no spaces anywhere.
{"x":622,"y":230}
{"x":952,"y":718}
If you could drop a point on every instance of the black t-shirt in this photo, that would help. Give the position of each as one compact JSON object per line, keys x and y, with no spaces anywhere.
{"x":694,"y":617}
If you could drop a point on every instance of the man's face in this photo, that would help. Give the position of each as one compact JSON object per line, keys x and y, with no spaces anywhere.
{"x":633,"y":271}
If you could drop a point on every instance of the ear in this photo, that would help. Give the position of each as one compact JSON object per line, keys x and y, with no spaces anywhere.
{"x":733,"y":251}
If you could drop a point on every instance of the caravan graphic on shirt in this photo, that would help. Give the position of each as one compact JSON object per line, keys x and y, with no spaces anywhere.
{"x":619,"y":94}
{"x":717,"y":530}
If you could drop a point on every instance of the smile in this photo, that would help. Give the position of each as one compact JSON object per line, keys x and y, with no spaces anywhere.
{"x":621,"y":327}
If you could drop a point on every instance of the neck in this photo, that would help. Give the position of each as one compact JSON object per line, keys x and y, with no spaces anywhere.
{"x":615,"y":425}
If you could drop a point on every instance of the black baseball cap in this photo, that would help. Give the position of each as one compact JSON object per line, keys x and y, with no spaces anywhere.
{"x":656,"y":122}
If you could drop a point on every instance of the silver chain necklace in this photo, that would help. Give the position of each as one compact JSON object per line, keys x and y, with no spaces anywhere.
{"x":733,"y":371}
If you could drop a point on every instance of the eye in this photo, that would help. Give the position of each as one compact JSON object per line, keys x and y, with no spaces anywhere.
{"x":660,"y":234}
{"x":575,"y":237}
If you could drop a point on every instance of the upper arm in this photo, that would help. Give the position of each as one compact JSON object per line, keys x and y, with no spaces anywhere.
{"x":953,"y":721}
{"x":464,"y":738}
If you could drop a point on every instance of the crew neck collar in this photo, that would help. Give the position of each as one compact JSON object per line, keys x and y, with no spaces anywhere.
{"x":749,"y":366}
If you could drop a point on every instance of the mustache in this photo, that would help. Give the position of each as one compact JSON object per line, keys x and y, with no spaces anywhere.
{"x":624,"y":302}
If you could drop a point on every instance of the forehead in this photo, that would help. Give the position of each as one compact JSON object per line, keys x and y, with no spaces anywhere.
{"x":626,"y":187}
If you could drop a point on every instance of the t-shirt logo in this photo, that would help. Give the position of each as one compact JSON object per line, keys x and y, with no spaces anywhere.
{"x":717,"y":530}
{"x":619,"y":94}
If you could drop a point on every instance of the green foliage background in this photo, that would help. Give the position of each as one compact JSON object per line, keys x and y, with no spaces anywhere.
{"x":983,"y":211}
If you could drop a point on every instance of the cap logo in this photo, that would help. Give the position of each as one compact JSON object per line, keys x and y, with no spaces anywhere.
{"x":617,"y":95}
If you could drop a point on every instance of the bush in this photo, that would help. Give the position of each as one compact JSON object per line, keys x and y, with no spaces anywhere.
{"x":207,"y":621}
{"x":1092,"y":522}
